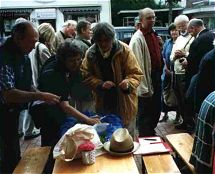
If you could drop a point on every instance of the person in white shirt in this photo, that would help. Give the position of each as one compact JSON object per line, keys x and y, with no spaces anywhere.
{"x":179,"y":53}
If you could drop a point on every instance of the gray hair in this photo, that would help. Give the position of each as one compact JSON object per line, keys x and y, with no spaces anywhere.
{"x":196,"y":22}
{"x":143,"y":12}
{"x":181,"y":18}
{"x":70,"y":23}
{"x":103,"y":28}
{"x":19,"y":20}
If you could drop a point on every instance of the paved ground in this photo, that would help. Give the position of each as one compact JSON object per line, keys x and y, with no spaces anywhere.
{"x":162,"y":129}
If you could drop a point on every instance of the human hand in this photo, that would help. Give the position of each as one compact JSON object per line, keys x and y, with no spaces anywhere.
{"x":93,"y":120}
{"x":179,"y":54}
{"x":49,"y":98}
{"x":108,"y":85}
{"x":124,"y":84}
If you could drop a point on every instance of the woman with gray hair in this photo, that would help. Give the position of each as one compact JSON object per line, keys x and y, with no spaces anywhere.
{"x":111,"y":70}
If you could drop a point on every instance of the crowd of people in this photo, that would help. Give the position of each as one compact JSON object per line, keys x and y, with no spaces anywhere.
{"x":83,"y":67}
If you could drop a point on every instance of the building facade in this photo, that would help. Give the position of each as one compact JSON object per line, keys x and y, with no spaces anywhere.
{"x":52,"y":11}
{"x":204,"y":9}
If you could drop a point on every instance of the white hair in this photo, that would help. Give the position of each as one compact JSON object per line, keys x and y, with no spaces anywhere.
{"x":19,"y":20}
{"x":181,"y":18}
{"x":70,"y":22}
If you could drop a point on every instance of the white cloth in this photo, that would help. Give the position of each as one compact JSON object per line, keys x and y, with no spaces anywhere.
{"x":181,"y":43}
{"x":26,"y":124}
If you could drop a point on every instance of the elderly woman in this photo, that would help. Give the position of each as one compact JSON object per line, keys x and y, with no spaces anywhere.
{"x":111,"y":70}
{"x":58,"y":76}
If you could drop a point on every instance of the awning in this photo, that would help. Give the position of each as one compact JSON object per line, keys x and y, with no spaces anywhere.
{"x":81,"y":10}
{"x":16,"y":10}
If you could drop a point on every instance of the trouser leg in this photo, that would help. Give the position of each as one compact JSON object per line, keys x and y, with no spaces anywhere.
{"x":149,"y":108}
{"x":10,"y":147}
{"x":28,"y":123}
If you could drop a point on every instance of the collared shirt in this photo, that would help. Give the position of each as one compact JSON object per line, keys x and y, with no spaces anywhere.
{"x":15,"y":69}
{"x":154,"y":49}
{"x":64,"y":36}
{"x":204,"y":141}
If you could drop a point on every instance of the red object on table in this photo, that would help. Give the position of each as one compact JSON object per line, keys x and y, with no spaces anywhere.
{"x":86,"y":146}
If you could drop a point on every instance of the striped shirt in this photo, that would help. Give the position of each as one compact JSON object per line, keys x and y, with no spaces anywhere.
{"x":204,"y":140}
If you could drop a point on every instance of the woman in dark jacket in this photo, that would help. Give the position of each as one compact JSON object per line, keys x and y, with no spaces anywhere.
{"x":59,"y":76}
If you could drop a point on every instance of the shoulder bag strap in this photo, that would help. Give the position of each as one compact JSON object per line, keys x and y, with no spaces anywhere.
{"x":39,"y":63}
{"x":188,"y":42}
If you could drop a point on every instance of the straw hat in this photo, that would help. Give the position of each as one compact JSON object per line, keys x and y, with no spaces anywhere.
{"x":121,"y":143}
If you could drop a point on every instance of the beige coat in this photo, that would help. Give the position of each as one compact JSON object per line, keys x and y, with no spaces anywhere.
{"x":139,"y":47}
{"x":125,"y":66}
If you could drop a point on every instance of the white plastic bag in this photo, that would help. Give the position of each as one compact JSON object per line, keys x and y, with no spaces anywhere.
{"x":67,"y":146}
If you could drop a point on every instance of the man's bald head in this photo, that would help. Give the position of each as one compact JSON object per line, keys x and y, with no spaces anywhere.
{"x":144,"y":12}
{"x":25,"y":36}
{"x":147,"y":18}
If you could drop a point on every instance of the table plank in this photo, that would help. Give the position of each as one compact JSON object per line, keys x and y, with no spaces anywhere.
{"x":183,"y":144}
{"x":104,"y":164}
{"x":160,"y":163}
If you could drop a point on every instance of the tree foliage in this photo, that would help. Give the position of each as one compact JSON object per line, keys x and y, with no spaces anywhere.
{"x":118,"y":5}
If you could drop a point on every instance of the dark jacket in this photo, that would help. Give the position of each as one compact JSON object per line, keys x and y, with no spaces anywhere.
{"x":200,"y":46}
{"x":205,"y":83}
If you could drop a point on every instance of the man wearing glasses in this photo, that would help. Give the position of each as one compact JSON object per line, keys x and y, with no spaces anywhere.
{"x":145,"y":45}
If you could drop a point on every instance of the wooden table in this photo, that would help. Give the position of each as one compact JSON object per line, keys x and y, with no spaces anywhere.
{"x":160,"y":163}
{"x":104,"y":164}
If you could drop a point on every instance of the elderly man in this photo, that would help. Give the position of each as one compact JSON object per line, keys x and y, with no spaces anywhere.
{"x":68,"y":31}
{"x":111,"y":69}
{"x":15,"y":90}
{"x":200,"y":46}
{"x":179,"y":53}
{"x":145,"y":45}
